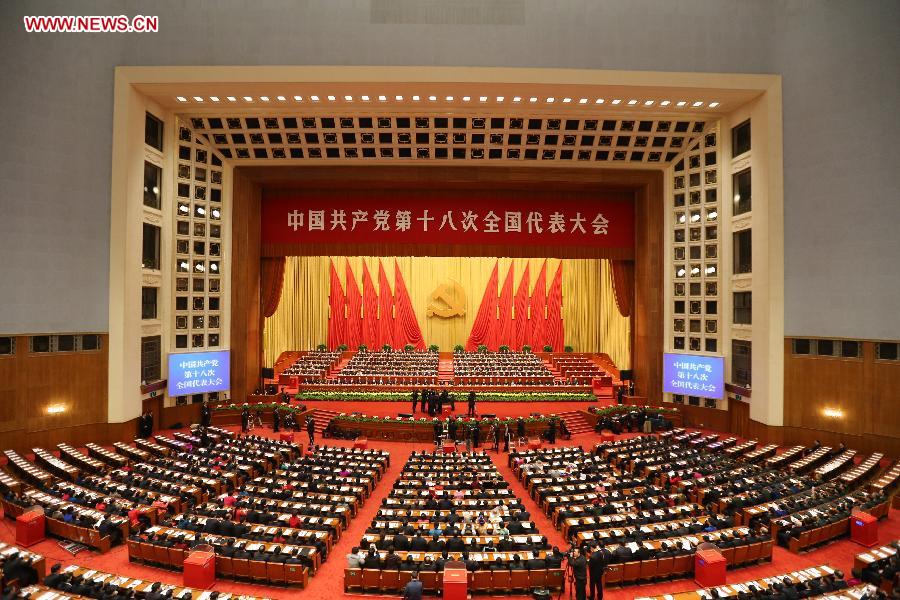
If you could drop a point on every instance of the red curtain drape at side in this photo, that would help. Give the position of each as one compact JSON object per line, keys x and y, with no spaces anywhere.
{"x":271,"y":275}
{"x":354,"y":311}
{"x":406,"y":325}
{"x":623,"y":285}
{"x":385,"y":309}
{"x":553,"y":329}
{"x":538,"y":309}
{"x":337,"y":323}
{"x":486,"y":319}
{"x":504,"y":313}
{"x":520,"y":326}
{"x":370,"y":311}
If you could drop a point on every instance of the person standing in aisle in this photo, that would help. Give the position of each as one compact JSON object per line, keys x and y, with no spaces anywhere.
{"x":311,"y":430}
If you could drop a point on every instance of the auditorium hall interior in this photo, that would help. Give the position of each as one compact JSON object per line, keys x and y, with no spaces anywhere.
{"x":449,"y":298}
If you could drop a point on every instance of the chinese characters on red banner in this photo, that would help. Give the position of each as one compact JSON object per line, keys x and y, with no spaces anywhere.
{"x":407,"y":218}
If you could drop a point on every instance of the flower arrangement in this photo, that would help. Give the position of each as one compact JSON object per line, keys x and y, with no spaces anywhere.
{"x":484,"y":396}
{"x":621,"y":409}
{"x":261,"y":406}
{"x":357,"y":418}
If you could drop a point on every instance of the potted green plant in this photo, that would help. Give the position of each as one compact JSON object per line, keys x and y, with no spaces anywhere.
{"x":569,"y":349}
{"x":433,"y":348}
{"x":386,"y":348}
{"x":459,"y":348}
{"x":526,"y":349}
{"x":482,"y":349}
{"x":362,"y":348}
{"x":321,"y":347}
{"x":504,"y":349}
{"x":342,"y":348}
{"x":408,"y":348}
{"x":548,"y":348}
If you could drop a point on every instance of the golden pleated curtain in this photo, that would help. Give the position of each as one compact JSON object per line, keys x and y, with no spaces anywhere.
{"x":271,"y":276}
{"x":590,"y":315}
{"x":623,"y":285}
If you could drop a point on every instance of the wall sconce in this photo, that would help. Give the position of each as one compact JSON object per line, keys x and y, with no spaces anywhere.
{"x":55,"y":409}
{"x":833,"y":413}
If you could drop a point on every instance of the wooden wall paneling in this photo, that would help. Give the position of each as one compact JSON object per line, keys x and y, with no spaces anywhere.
{"x":647,"y":320}
{"x":705,"y":418}
{"x":246,"y":318}
{"x":186,"y":414}
{"x":739,"y":417}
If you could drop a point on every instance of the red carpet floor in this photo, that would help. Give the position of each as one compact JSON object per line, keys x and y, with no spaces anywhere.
{"x":328,"y":582}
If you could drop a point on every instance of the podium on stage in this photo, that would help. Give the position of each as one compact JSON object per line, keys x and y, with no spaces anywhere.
{"x":286,"y":437}
{"x":456,"y":585}
{"x":31,"y":527}
{"x":709,"y":566}
{"x":864,"y":529}
{"x":200,"y":568}
{"x":448,"y":447}
{"x":534,"y":443}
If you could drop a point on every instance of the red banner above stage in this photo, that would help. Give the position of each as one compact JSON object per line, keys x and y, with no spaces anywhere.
{"x":508,"y":219}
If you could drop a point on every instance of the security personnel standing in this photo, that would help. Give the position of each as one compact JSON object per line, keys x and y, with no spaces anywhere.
{"x":579,"y":572}
{"x":597,"y":565}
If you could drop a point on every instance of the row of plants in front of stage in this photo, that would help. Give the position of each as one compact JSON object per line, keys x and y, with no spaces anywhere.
{"x":621,"y":409}
{"x":261,"y":406}
{"x":357,"y":418}
{"x":482,"y":396}
{"x":435,"y":348}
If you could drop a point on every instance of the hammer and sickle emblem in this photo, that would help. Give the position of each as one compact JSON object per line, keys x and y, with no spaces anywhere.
{"x":447,"y":300}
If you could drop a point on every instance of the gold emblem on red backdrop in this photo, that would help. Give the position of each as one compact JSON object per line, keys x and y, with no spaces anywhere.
{"x":448,"y":300}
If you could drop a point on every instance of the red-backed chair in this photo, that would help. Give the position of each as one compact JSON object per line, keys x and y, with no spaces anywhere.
{"x":371,"y":579}
{"x":613,"y":574}
{"x":299,"y":575}
{"x":501,"y":581}
{"x":519,"y":580}
{"x":134,"y":550}
{"x":684,"y":563}
{"x":352,"y":579}
{"x":728,"y":553}
{"x":664,"y":567}
{"x":740,"y":554}
{"x":258,"y":570}
{"x":631,"y":571}
{"x":429,"y":580}
{"x":482,"y":581}
{"x":648,"y":569}
{"x":390,"y":581}
{"x":177,"y":556}
{"x":767,"y":549}
{"x":537,"y":578}
{"x":161,"y":555}
{"x":225,"y":566}
{"x":555,"y":579}
{"x":241,"y":568}
{"x":275,"y":572}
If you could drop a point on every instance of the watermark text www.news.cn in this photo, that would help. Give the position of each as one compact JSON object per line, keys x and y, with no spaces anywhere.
{"x":92,"y":24}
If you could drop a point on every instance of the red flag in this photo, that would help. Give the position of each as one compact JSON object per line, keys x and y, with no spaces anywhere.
{"x":337,"y":323}
{"x":486,"y":319}
{"x":370,"y":311}
{"x":538,"y":305}
{"x":554,"y":326}
{"x":385,"y":309}
{"x":504,"y":316}
{"x":406,"y":325}
{"x":354,"y":311}
{"x":521,"y":317}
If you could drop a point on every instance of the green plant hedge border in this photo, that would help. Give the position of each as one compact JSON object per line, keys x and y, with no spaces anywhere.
{"x":482,"y":397}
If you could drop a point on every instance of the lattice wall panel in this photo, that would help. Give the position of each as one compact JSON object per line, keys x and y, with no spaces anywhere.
{"x":541,"y":140}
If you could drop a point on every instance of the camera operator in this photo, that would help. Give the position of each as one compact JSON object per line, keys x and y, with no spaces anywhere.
{"x":597,"y":563}
{"x":578,"y":564}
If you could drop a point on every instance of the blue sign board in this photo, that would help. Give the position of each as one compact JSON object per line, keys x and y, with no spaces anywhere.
{"x":694,"y":375}
{"x":199,"y":372}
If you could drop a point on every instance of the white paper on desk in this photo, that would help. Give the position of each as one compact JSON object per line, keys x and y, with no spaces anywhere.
{"x":648,"y":545}
{"x":204,"y":596}
{"x":632,"y":546}
{"x":827,"y":569}
{"x":252,"y":547}
{"x":693,"y":540}
{"x":867,"y":557}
